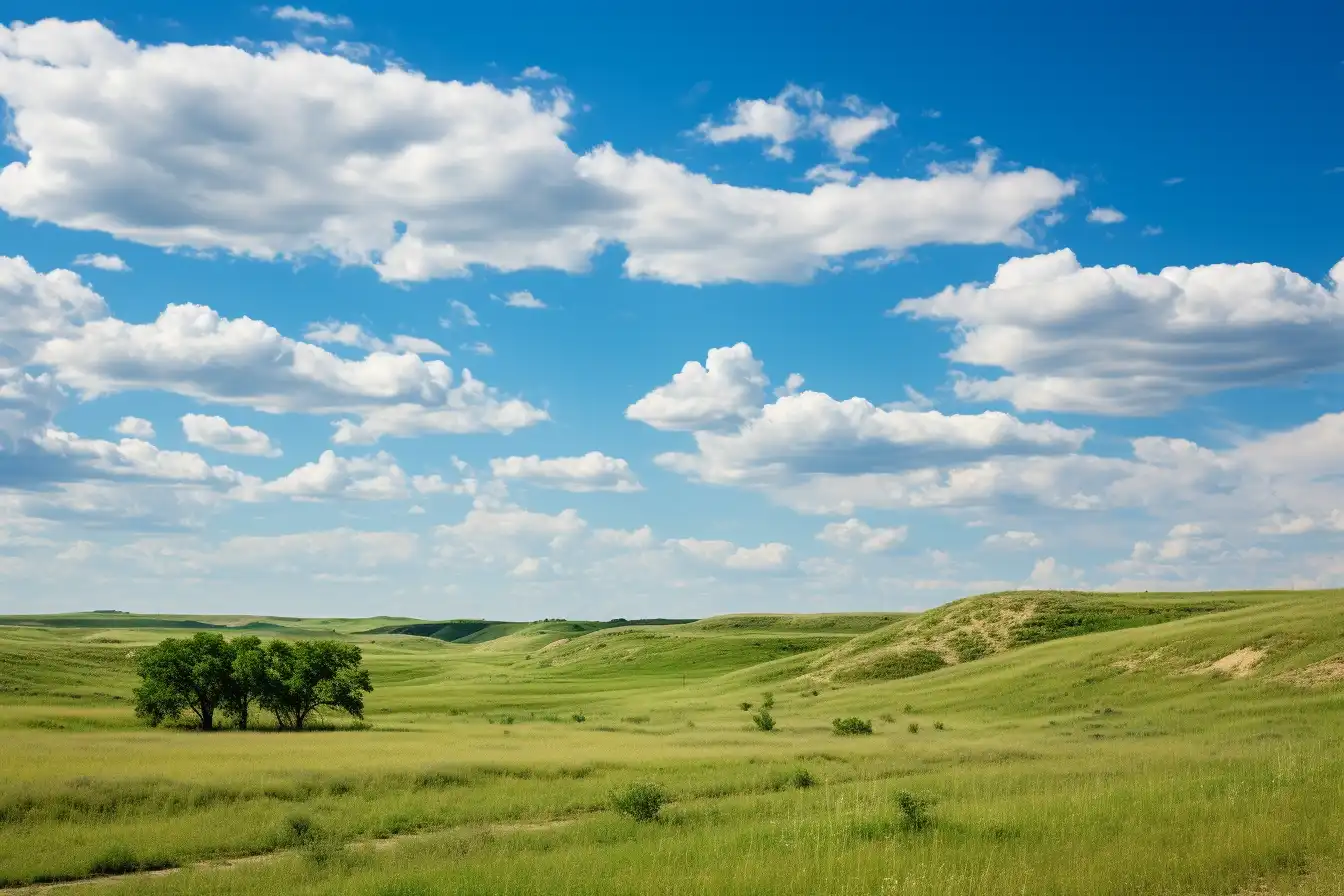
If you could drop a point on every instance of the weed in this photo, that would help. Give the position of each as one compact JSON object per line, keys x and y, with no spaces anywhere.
{"x":744,"y":706}
{"x":642,"y":801}
{"x":801,"y":778}
{"x":635,"y":720}
{"x":763,"y":720}
{"x":938,"y":726}
{"x":580,"y":717}
{"x":852,"y":725}
{"x":887,"y":717}
{"x":913,"y":727}
{"x":908,"y":709}
{"x":767,"y":701}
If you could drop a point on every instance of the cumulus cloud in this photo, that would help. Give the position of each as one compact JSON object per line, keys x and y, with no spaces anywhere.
{"x":353,"y":335}
{"x":1014,"y":538}
{"x":855,"y":534}
{"x":536,"y":73}
{"x":727,"y":388}
{"x":507,"y":534}
{"x":135,"y":458}
{"x":523,"y":299}
{"x":440,"y":177}
{"x":1117,"y":341}
{"x":102,"y":262}
{"x":374,"y":478}
{"x":796,"y":113}
{"x":1105,"y":216}
{"x":769,"y":556}
{"x":36,"y":307}
{"x":478,"y":348}
{"x":220,"y":434}
{"x":304,"y":16}
{"x":593,"y":472}
{"x":191,"y":350}
{"x":135,"y":427}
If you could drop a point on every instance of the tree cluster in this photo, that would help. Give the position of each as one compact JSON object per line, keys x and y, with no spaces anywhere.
{"x":206,"y":675}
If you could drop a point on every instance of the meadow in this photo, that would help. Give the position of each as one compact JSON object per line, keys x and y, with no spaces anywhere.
{"x":1062,"y":743}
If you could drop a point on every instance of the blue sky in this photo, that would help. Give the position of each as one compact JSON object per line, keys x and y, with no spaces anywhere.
{"x":789,"y":313}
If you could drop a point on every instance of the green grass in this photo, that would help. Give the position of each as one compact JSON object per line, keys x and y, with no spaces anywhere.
{"x":1093,"y":749}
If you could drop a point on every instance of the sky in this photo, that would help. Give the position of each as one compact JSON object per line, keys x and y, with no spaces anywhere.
{"x":520,"y":312}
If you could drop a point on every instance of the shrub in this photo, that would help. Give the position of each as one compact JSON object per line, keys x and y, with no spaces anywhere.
{"x":887,"y":717}
{"x":767,"y":700}
{"x":908,"y":709}
{"x":642,"y":801}
{"x":913,"y":727}
{"x":938,"y":726}
{"x":298,"y":829}
{"x":116,"y":859}
{"x":852,"y":725}
{"x":970,"y":646}
{"x":580,"y":717}
{"x":915,"y":814}
{"x":763,"y":720}
{"x":744,"y":706}
{"x":801,"y":778}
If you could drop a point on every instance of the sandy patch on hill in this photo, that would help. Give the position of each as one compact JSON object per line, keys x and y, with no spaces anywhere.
{"x":1237,"y":664}
{"x":1322,"y":673}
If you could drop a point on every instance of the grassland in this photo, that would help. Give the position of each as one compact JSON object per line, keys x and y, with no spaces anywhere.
{"x":1116,"y":744}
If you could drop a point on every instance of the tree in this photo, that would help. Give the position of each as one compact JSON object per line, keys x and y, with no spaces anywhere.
{"x":303,"y":677}
{"x":247,"y":681}
{"x":179,"y":674}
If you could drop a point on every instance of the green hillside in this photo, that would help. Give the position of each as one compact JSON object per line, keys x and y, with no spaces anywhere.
{"x":1102,"y":744}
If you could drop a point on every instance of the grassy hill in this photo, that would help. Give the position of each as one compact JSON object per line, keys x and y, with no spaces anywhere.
{"x":1100,"y":744}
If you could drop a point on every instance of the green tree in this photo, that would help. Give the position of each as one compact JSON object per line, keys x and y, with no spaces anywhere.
{"x":180,"y":674}
{"x":247,"y":680}
{"x":303,"y":677}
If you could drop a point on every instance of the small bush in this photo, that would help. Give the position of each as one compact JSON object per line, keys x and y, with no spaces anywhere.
{"x":763,"y":720}
{"x":915,"y":814}
{"x":767,"y":700}
{"x":744,"y":706}
{"x":642,"y":802}
{"x":852,"y":725}
{"x":887,"y":717}
{"x":938,"y":726}
{"x":298,"y":829}
{"x":801,"y":778}
{"x":116,"y":859}
{"x":580,"y":717}
{"x":908,"y":709}
{"x":913,"y":727}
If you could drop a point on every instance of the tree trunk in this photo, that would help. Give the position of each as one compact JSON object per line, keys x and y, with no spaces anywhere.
{"x":242,"y":718}
{"x":207,"y":718}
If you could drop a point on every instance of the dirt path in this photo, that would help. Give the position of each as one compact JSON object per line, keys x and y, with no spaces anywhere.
{"x":379,"y":845}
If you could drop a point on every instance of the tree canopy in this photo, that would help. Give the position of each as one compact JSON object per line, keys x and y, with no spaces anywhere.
{"x":206,"y":674}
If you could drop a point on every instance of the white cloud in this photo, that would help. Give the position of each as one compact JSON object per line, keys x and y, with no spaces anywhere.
{"x":220,"y":434}
{"x":35,"y":307}
{"x":135,"y":458}
{"x":536,"y":73}
{"x":1151,"y":230}
{"x":440,"y":177}
{"x":768,"y":556}
{"x":478,"y":348}
{"x":728,"y":387}
{"x":1105,"y":216}
{"x":1014,"y":539}
{"x":464,"y":312}
{"x":190,"y":350}
{"x":1049,"y":574}
{"x":305,"y":16}
{"x":353,"y":335}
{"x":855,"y":534}
{"x":626,"y":539}
{"x":102,"y":262}
{"x":333,"y":547}
{"x":508,"y":534}
{"x":1117,"y":341}
{"x":593,"y":472}
{"x":523,"y":299}
{"x":373,"y":478}
{"x":135,"y":427}
{"x":1173,"y":181}
{"x":796,"y":113}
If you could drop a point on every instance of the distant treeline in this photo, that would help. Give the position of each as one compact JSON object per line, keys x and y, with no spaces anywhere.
{"x":205,"y":675}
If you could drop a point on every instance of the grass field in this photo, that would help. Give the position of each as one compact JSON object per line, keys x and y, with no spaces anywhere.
{"x":1069,"y":743}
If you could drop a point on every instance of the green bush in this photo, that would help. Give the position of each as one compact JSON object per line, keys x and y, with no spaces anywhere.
{"x":763,"y":720}
{"x":887,"y":717}
{"x":116,"y":859}
{"x":642,"y":801}
{"x":913,"y":727}
{"x":938,"y":726}
{"x":767,"y":700}
{"x":970,"y":646}
{"x":744,"y":706}
{"x":915,"y":814}
{"x":852,"y":725}
{"x":580,"y":717}
{"x":801,"y":778}
{"x":298,"y":829}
